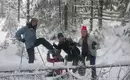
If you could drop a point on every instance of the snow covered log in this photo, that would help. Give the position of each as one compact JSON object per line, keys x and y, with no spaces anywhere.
{"x":21,"y":74}
{"x":64,"y":67}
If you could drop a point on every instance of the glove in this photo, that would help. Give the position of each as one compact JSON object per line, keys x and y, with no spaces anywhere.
{"x":54,"y":45}
{"x":94,"y":45}
{"x":66,"y":57}
{"x":23,"y":40}
{"x":52,"y":52}
{"x":61,"y":59}
{"x":88,"y":58}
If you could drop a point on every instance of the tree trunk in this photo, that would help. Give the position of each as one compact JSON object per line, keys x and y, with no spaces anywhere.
{"x":19,"y":10}
{"x":60,"y":13}
{"x":111,"y":8}
{"x":91,"y":19}
{"x":66,"y":16}
{"x":2,"y":9}
{"x":66,"y":67}
{"x":28,"y":7}
{"x":100,"y":13}
{"x":75,"y":13}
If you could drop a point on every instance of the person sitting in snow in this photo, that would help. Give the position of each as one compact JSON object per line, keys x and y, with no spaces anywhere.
{"x":56,"y":58}
{"x":89,"y":47}
{"x":69,"y":46}
{"x":27,"y":35}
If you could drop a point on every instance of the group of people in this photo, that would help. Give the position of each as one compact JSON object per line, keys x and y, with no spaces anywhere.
{"x":88,"y":44}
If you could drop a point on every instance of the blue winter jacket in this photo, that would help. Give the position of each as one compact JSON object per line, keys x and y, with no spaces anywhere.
{"x":28,"y":34}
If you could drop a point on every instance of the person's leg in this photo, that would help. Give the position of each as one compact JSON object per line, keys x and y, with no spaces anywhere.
{"x":75,"y":63}
{"x":92,"y":62}
{"x":44,"y":42}
{"x":82,"y":69}
{"x":75,"y":51}
{"x":83,"y":60}
{"x":66,"y":60}
{"x":84,"y":55}
{"x":88,"y":57}
{"x":31,"y":55}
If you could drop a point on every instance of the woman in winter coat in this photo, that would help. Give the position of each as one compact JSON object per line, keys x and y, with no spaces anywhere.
{"x":89,"y":48}
{"x":27,"y":35}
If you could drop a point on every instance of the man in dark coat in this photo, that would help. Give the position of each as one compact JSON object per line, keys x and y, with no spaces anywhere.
{"x":69,"y":46}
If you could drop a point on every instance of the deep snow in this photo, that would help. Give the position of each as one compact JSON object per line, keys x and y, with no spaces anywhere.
{"x":114,"y":49}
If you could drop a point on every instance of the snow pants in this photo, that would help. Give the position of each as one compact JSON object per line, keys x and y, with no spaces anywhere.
{"x":92,"y":62}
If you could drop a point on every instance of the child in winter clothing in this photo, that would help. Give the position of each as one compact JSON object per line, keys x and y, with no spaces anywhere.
{"x":27,"y":35}
{"x":89,"y":47}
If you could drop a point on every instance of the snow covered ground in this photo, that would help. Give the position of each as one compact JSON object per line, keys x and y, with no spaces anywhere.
{"x":114,"y":49}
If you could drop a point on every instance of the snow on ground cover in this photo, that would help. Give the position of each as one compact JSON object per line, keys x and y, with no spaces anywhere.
{"x":114,"y":44}
{"x":115,"y":50}
{"x":2,"y":34}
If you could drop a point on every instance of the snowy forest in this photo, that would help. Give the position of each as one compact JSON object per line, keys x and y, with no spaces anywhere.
{"x":107,"y":20}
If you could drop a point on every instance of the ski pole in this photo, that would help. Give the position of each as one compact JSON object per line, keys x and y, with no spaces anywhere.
{"x":41,"y":57}
{"x":22,"y":55}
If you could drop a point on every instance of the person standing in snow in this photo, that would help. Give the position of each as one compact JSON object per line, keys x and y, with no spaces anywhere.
{"x":69,"y":46}
{"x":89,"y":47}
{"x":27,"y":35}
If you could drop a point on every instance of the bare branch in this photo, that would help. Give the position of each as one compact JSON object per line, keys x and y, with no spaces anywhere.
{"x":119,"y":74}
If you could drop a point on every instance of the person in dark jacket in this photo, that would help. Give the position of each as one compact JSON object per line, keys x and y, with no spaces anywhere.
{"x":89,"y":47}
{"x":69,"y":46}
{"x":27,"y":35}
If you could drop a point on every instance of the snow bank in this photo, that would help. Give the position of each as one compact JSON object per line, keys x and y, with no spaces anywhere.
{"x":115,"y":50}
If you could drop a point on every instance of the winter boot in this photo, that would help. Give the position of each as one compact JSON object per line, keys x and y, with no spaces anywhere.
{"x":75,"y":63}
{"x":81,"y":69}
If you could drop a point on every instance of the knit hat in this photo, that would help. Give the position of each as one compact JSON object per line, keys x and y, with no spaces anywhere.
{"x":84,"y":31}
{"x":34,"y":19}
{"x":84,"y":28}
{"x":60,"y":35}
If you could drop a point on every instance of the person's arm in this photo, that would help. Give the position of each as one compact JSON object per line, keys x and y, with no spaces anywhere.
{"x":73,"y":43}
{"x":19,"y":33}
{"x":57,"y":46}
{"x":95,"y":44}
